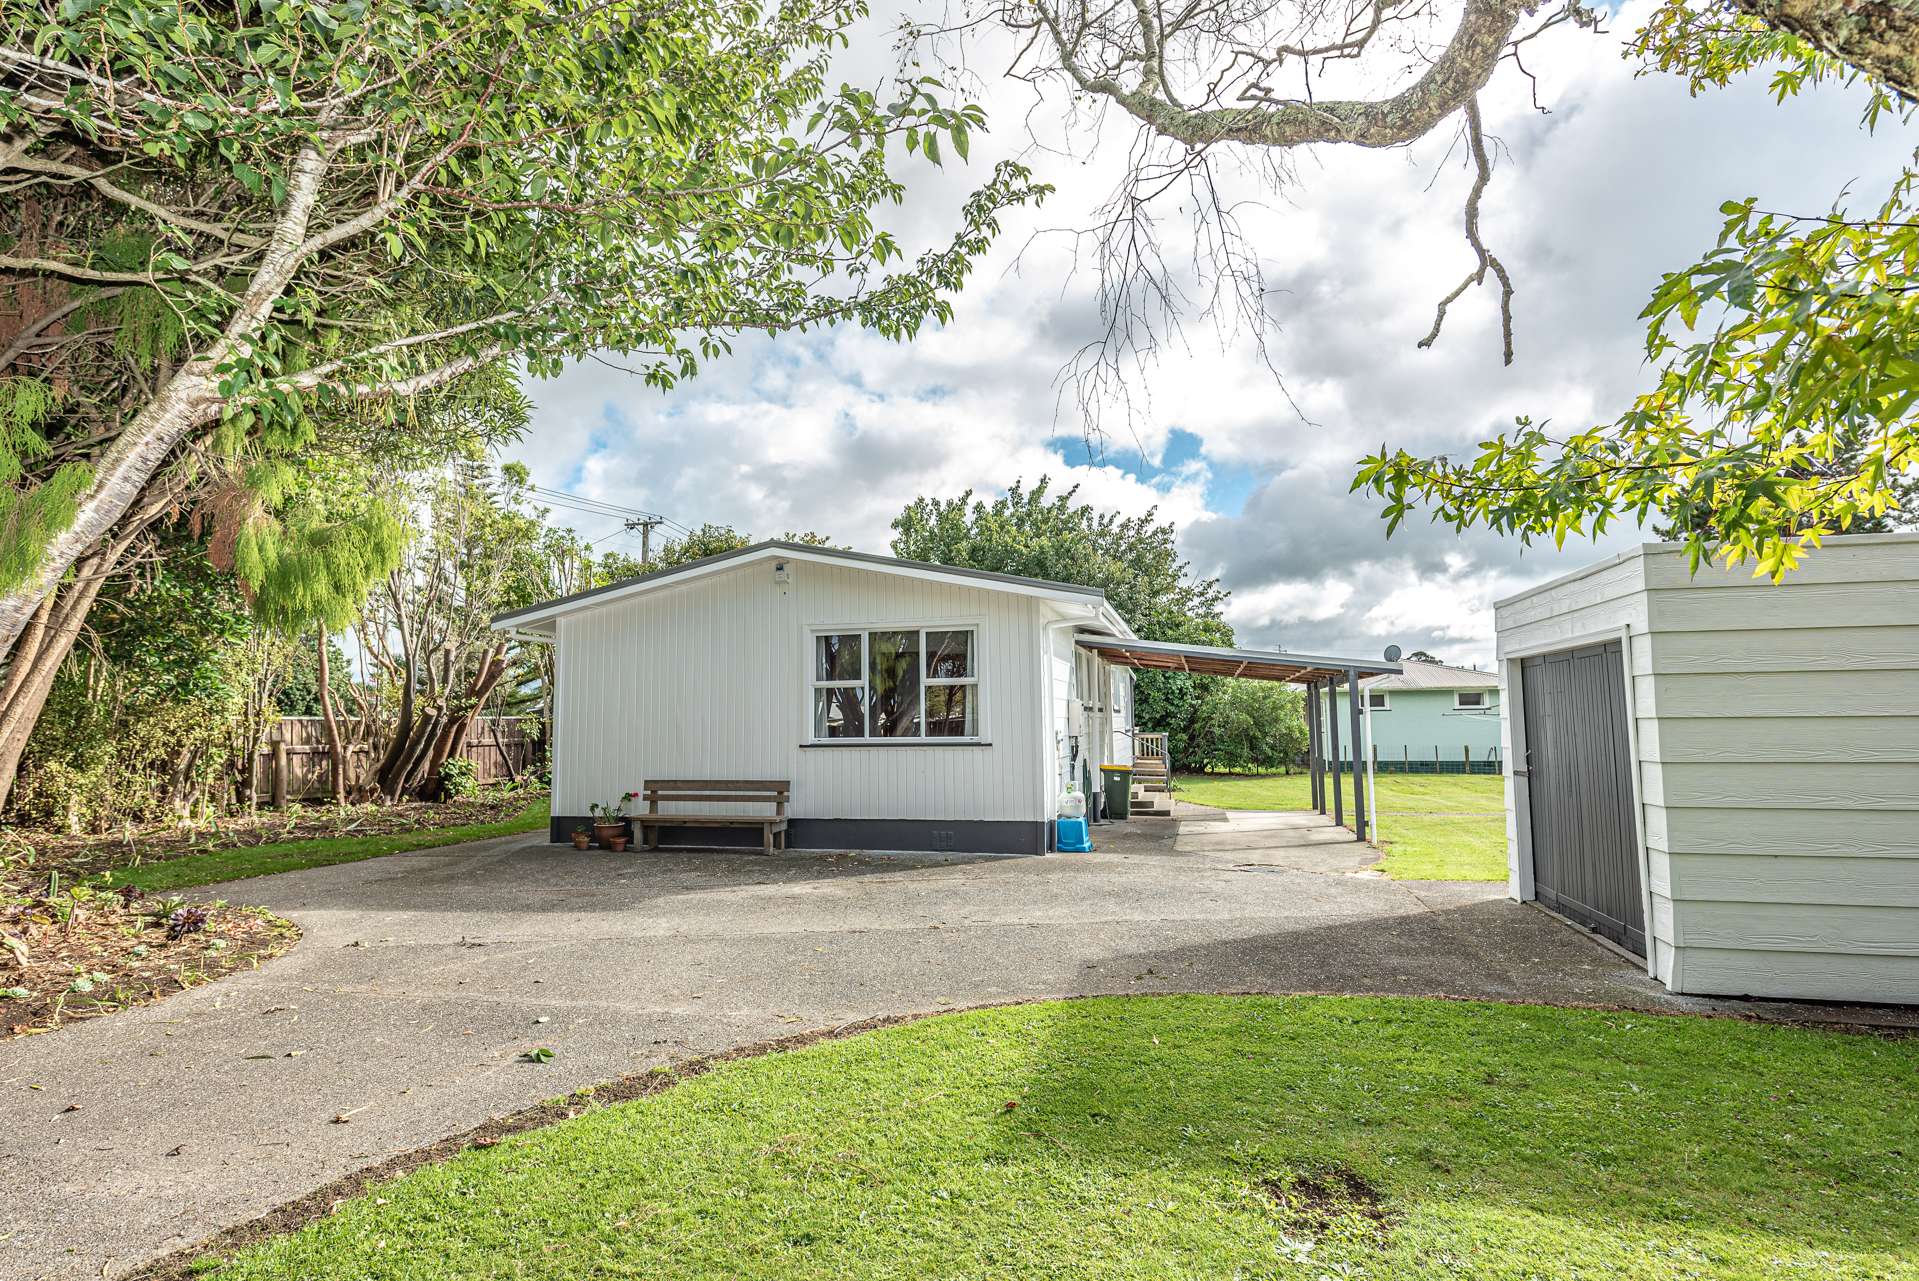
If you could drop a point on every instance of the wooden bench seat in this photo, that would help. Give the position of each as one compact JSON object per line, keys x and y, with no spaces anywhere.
{"x":755,"y":791}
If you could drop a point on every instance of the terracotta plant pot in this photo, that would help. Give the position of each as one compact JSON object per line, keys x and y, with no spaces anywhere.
{"x":617,"y":844}
{"x":605,"y":832}
{"x":581,"y":840}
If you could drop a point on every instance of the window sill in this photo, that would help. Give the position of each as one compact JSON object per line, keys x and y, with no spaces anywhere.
{"x":898,"y":742}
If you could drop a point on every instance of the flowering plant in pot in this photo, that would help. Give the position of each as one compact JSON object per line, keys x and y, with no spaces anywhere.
{"x":609,"y":821}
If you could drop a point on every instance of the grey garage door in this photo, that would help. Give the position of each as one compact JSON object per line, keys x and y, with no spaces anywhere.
{"x":1578,"y":765}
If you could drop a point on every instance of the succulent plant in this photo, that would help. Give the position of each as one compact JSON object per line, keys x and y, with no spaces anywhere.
{"x":185,"y":921}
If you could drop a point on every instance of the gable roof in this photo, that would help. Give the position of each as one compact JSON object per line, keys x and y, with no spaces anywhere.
{"x":774,"y":549}
{"x":1417,"y":675}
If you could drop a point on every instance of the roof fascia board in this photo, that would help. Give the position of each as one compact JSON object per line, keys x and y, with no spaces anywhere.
{"x":782,"y":551}
{"x":1277,"y":658}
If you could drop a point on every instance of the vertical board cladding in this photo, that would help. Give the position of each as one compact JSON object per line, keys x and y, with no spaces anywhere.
{"x":711,"y":679}
{"x":1603,"y":602}
{"x":1778,"y":745}
{"x":1583,"y":820}
{"x":1088,"y":712}
{"x":1123,"y":727}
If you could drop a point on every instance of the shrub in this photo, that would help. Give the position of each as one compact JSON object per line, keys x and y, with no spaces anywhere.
{"x":459,"y":777}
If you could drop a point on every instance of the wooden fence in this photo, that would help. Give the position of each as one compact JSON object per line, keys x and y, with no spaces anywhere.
{"x":296,"y":755}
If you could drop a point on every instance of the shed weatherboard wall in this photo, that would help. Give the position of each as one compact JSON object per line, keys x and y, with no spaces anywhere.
{"x":710,"y":679}
{"x":1778,"y":761}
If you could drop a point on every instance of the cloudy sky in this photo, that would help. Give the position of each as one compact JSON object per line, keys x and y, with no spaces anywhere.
{"x":1619,"y":180}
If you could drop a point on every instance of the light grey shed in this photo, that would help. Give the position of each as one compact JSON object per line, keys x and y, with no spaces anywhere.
{"x":1721,"y":773}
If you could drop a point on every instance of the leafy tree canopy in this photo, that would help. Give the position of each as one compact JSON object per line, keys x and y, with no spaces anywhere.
{"x":346,"y":205}
{"x":1134,"y":559}
{"x":1251,"y":726}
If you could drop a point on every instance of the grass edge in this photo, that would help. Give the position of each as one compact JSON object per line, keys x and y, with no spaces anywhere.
{"x":214,"y":866}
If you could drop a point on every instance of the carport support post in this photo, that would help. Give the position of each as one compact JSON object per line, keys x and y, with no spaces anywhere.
{"x":1359,"y":782}
{"x":1332,"y":723}
{"x":1312,"y":747}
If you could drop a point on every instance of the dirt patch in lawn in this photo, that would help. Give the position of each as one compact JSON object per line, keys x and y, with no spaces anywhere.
{"x":78,"y":856}
{"x":1330,"y":1201}
{"x":74,"y":952}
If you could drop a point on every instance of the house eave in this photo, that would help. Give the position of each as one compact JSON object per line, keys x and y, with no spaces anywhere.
{"x":549,"y":611}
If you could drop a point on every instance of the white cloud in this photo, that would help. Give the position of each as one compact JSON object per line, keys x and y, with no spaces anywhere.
{"x":1273,"y":605}
{"x":838,"y":431}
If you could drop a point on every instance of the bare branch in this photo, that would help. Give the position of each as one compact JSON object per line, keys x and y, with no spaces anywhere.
{"x":56,"y":168}
{"x":1483,"y":174}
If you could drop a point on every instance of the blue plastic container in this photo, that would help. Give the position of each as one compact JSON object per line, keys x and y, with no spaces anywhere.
{"x":1074,"y":837}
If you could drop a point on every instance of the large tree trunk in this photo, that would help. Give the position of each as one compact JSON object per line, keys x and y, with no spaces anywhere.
{"x":44,"y":646}
{"x":448,"y":743}
{"x":189,"y":399}
{"x":1879,"y":37}
{"x":336,"y":753}
{"x":120,"y":476}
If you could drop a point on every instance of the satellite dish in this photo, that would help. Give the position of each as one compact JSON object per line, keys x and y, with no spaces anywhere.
{"x":1392,"y":653}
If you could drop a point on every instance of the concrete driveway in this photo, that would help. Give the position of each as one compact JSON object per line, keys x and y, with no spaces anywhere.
{"x":422,"y":978}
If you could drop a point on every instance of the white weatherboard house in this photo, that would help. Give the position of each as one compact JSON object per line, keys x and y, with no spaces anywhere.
{"x":910,"y":706}
{"x":1721,"y":774}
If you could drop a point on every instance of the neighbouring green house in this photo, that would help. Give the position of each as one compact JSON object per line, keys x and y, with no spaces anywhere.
{"x":1430,"y":718}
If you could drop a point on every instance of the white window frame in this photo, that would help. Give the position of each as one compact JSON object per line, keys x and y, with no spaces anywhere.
{"x":865,"y":632}
{"x":1484,"y":704}
{"x":1385,"y":698}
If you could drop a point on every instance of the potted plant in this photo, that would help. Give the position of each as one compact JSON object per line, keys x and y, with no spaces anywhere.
{"x":616,"y":843}
{"x":582,"y":836}
{"x":609,"y":821}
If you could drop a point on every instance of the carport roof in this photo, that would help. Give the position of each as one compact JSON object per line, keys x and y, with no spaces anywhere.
{"x":1217,"y":660}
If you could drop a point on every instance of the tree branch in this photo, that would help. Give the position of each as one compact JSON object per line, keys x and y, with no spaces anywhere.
{"x":1879,"y":37}
{"x":1476,"y":143}
{"x":56,"y":168}
{"x":1455,"y":77}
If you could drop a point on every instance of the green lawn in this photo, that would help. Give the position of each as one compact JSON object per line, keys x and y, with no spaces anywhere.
{"x":1433,"y":827}
{"x":293,"y":856}
{"x":1196,"y":1137}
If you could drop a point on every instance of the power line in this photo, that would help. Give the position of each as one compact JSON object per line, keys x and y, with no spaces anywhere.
{"x":632,"y":519}
{"x":580,"y":502}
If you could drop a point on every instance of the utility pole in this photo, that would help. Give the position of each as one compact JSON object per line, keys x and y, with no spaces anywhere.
{"x":646,"y":525}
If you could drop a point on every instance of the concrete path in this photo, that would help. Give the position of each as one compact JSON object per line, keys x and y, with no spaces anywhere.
{"x":422,"y":978}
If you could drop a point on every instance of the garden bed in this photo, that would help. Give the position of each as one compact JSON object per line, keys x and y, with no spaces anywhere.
{"x":77,"y":952}
{"x":79,"y":856}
